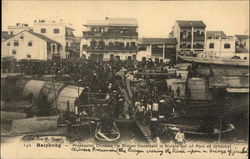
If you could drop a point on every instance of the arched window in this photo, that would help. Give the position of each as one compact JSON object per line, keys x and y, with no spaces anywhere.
{"x":226,"y":46}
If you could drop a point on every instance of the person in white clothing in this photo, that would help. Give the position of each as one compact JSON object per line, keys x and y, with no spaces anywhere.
{"x":180,"y":136}
{"x":155,"y":108}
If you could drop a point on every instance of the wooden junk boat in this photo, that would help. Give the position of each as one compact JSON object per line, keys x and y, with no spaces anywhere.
{"x":111,"y":136}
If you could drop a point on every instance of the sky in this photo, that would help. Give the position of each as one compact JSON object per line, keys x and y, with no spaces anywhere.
{"x":155,"y":18}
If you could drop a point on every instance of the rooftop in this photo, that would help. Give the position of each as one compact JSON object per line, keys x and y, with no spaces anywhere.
{"x":147,"y":41}
{"x":216,"y":34}
{"x":113,"y":22}
{"x":45,"y":38}
{"x":242,"y":37}
{"x":5,"y":35}
{"x":187,"y":23}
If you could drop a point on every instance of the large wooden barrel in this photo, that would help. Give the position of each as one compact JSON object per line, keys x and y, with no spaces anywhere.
{"x":197,"y":88}
{"x":33,"y":87}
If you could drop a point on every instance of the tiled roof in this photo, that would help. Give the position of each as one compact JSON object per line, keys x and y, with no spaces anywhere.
{"x":242,"y":37}
{"x":216,"y":34}
{"x":147,"y":41}
{"x":114,"y":22}
{"x":185,"y":23}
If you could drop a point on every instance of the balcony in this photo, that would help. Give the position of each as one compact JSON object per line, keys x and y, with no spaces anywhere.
{"x":108,"y":48}
{"x":70,"y":48}
{"x":188,"y":38}
{"x":198,"y":46}
{"x":90,"y":34}
{"x":199,"y":37}
{"x":185,"y":46}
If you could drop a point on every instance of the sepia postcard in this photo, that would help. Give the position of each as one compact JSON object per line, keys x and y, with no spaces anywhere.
{"x":124,"y":79}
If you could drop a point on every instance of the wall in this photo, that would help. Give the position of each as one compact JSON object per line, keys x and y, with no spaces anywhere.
{"x":38,"y":50}
{"x":219,"y":50}
{"x":59,"y":37}
{"x":146,"y":53}
{"x":15,"y":30}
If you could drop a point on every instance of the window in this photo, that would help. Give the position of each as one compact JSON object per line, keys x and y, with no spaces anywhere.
{"x":13,"y":52}
{"x":211,"y":45}
{"x":11,"y":33}
{"x":21,"y":37}
{"x":226,"y":46}
{"x":16,"y":43}
{"x":56,"y":31}
{"x":28,"y":56}
{"x":8,"y":44}
{"x":30,"y":43}
{"x":43,"y":30}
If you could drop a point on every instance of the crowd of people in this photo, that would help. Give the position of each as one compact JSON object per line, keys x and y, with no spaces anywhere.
{"x":154,"y":100}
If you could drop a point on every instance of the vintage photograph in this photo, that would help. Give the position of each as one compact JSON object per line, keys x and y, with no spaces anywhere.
{"x":130,"y":79}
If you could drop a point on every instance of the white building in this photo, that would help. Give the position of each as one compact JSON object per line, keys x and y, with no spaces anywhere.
{"x":58,"y":31}
{"x":190,"y":36}
{"x":242,"y":46}
{"x":157,"y":48}
{"x":19,"y":27}
{"x":112,"y":38}
{"x":219,"y":45}
{"x":30,"y":45}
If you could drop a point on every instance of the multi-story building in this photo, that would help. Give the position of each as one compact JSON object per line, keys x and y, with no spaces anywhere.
{"x":190,"y":36}
{"x":13,"y":30}
{"x":5,"y":35}
{"x":157,"y":48}
{"x":219,"y":45}
{"x":242,"y":43}
{"x":29,"y":45}
{"x":59,"y":31}
{"x":112,"y":38}
{"x":242,"y":46}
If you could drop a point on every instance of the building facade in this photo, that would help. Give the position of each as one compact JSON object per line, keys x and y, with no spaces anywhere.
{"x":30,"y":45}
{"x":19,"y":27}
{"x":190,"y":36}
{"x":219,"y":45}
{"x":157,"y":49}
{"x":59,"y":31}
{"x":112,"y":38}
{"x":242,"y":46}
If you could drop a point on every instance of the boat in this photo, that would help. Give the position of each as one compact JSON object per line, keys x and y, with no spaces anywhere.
{"x":196,"y":130}
{"x":113,"y":135}
{"x":216,"y":61}
{"x":237,"y":90}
